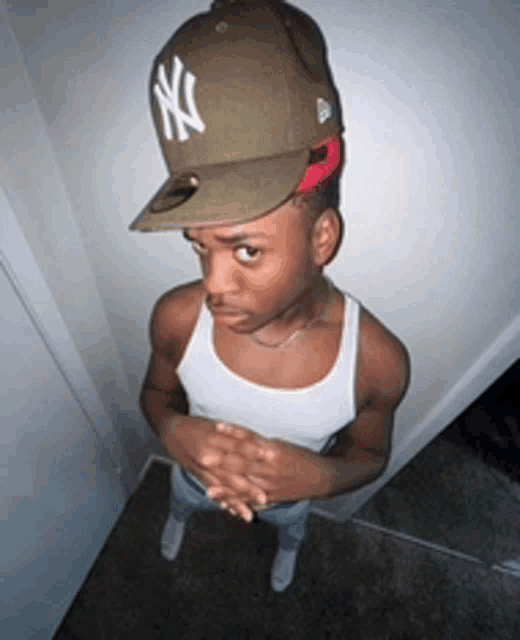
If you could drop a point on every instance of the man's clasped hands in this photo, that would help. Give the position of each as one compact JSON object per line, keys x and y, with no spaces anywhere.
{"x":244,"y":471}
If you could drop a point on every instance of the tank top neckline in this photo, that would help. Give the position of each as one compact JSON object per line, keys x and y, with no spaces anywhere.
{"x":326,"y":379}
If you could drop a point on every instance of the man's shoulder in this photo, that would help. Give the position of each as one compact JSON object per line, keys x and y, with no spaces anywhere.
{"x":175,"y":312}
{"x":385,"y":362}
{"x":185,"y":294}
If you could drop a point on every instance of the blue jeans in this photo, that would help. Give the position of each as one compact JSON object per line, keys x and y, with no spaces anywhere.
{"x":188,"y":495}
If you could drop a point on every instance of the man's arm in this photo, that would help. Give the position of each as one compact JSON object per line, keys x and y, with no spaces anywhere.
{"x":192,"y":441}
{"x":363,"y":450}
{"x":162,"y":395}
{"x":352,"y":466}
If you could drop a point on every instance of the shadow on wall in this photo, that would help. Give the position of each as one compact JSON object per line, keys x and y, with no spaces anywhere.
{"x":135,"y":436}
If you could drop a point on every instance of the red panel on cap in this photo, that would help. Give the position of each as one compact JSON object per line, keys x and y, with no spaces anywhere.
{"x":319,"y":172}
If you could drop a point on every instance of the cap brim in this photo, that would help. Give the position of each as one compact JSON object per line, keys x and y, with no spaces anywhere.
{"x":230,"y":193}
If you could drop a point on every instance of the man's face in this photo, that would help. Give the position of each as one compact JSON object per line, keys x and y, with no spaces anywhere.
{"x":256,"y":269}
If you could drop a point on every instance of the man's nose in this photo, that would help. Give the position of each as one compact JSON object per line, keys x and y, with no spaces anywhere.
{"x":219,"y":275}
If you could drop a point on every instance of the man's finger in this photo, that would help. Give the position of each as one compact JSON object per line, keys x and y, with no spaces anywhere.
{"x":229,"y":429}
{"x":230,"y":502}
{"x":211,"y":459}
{"x":223,"y":443}
{"x":235,"y":430}
{"x":251,"y":451}
{"x":237,"y":484}
{"x":241,"y":509}
{"x":251,"y":445}
{"x":255,"y":495}
{"x":235,"y":463}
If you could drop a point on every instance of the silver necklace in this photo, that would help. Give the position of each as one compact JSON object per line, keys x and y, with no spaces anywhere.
{"x":299,"y":331}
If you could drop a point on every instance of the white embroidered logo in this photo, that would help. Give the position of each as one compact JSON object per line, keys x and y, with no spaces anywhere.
{"x":324,"y":110}
{"x":168,"y":96}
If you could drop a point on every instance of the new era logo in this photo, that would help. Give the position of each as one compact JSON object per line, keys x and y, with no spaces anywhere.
{"x":168,"y":96}
{"x":324,"y":110}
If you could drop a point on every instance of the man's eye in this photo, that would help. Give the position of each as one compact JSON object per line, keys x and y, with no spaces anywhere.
{"x":196,"y":247}
{"x":250,"y":252}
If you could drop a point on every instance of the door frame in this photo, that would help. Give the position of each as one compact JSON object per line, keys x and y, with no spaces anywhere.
{"x":21,"y":269}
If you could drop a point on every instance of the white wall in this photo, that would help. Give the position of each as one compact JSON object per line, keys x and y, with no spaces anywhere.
{"x":430,"y":97}
{"x":72,"y":439}
{"x":60,"y":492}
{"x":44,"y":205}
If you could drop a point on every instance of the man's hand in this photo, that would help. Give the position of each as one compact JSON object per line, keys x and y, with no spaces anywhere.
{"x":198,"y":447}
{"x":285,"y":472}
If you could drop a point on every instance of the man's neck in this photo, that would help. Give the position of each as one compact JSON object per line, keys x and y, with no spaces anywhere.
{"x":306,"y":308}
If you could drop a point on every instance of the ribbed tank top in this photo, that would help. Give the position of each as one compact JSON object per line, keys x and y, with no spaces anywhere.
{"x":309,"y":417}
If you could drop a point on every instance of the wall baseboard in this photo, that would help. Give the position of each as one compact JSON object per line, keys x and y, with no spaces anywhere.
{"x":153,"y":457}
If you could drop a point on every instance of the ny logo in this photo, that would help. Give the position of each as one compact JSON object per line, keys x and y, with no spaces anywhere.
{"x":168,"y":96}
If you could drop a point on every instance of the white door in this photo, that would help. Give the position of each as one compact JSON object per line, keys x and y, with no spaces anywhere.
{"x":60,"y":492}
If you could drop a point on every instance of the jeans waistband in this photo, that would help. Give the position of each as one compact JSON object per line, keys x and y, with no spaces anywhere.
{"x":193,"y":482}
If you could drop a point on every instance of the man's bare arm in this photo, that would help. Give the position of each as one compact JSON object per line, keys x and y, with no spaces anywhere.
{"x":162,"y":395}
{"x":352,"y":466}
{"x":363,"y":449}
{"x":192,"y":441}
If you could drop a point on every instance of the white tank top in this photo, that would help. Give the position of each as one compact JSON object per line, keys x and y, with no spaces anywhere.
{"x":307,"y":417}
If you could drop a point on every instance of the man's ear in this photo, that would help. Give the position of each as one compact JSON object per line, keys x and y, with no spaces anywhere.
{"x":327,"y":235}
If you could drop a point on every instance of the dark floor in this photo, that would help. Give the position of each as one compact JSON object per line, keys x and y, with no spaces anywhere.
{"x":463,"y":490}
{"x":432,"y":556}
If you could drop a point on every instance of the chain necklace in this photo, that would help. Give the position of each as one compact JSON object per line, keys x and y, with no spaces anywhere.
{"x":299,"y":331}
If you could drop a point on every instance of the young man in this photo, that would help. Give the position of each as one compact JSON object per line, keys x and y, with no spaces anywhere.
{"x":267,"y":385}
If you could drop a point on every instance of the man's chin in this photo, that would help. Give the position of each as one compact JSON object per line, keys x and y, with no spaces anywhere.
{"x":234,"y":321}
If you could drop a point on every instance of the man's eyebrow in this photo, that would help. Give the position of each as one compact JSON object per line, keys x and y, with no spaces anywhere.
{"x":229,"y":239}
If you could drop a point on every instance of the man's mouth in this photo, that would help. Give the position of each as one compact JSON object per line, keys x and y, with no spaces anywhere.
{"x":221,"y":310}
{"x":226,"y":311}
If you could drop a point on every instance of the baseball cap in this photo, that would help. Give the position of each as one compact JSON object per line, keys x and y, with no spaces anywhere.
{"x":240,"y":96}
